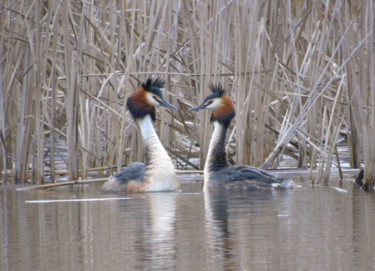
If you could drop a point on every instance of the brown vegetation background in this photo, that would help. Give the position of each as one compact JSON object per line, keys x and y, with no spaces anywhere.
{"x":301,"y":74}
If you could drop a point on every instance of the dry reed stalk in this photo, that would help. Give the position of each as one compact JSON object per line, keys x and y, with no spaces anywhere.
{"x":333,"y":129}
{"x":4,"y":156}
{"x":39,"y":174}
{"x":23,"y":136}
{"x":369,"y":174}
{"x":72,"y":69}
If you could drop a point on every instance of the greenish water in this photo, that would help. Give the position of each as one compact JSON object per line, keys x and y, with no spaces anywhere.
{"x":307,"y":228}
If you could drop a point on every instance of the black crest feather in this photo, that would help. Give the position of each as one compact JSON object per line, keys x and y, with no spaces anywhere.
{"x":217,"y":90}
{"x":153,"y":85}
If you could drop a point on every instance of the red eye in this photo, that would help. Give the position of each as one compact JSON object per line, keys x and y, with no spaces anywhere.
{"x":209,"y":102}
{"x":154,"y":96}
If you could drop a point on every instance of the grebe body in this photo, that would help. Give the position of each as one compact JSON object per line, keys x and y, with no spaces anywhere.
{"x":218,"y":173}
{"x":157,"y":173}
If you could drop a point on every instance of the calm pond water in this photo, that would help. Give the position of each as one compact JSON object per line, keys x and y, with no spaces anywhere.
{"x":76,"y":228}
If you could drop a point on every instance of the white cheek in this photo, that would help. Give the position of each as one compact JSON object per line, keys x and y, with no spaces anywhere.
{"x":215,"y":103}
{"x":151,"y":99}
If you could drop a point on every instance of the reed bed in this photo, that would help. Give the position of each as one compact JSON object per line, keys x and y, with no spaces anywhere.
{"x":300,"y":74}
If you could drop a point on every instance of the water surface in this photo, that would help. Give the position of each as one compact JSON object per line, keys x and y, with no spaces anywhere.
{"x":307,"y":228}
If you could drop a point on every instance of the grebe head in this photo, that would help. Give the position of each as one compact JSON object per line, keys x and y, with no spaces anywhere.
{"x":219,"y":103}
{"x":148,"y":95}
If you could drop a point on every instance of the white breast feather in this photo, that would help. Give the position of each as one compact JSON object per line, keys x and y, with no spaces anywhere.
{"x":163,"y":175}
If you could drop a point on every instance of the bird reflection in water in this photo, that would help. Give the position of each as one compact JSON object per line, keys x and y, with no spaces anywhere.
{"x":225,"y":215}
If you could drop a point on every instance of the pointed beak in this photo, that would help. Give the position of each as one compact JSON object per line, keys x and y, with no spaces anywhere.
{"x":167,"y":105}
{"x":199,"y":107}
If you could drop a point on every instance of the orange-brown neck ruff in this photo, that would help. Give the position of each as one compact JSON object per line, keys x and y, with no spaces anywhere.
{"x":139,"y":106}
{"x":225,"y":111}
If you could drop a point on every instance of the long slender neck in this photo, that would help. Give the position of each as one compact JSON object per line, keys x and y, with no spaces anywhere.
{"x":153,"y":146}
{"x":217,"y":157}
{"x":160,"y":174}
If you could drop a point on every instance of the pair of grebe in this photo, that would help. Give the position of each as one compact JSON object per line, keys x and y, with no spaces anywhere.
{"x":158,"y":173}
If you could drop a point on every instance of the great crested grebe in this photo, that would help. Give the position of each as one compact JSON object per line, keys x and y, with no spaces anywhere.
{"x":218,"y":173}
{"x":157,"y":173}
